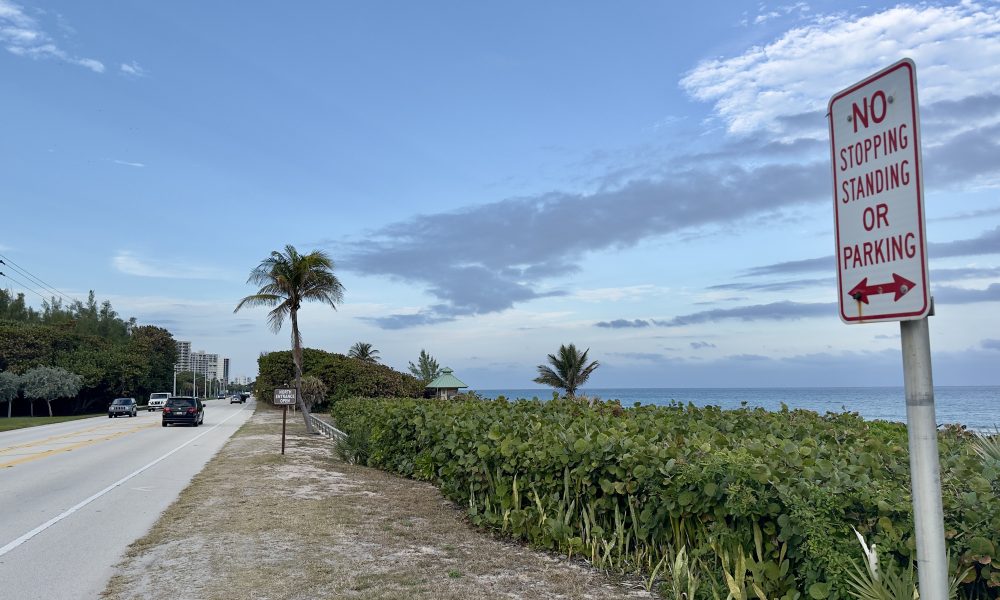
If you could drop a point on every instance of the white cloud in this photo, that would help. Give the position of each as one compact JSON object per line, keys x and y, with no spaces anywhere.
{"x":21,"y":35}
{"x":128,"y":164}
{"x":133,"y":69}
{"x":618,"y":294}
{"x":956,"y":49}
{"x":130,"y":264}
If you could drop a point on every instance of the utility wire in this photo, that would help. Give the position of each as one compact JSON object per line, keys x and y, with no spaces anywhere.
{"x":5,"y":260}
{"x":20,"y":283}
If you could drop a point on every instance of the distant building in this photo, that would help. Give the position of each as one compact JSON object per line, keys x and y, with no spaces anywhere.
{"x":183,"y":356}
{"x":206,"y":364}
{"x":225,"y":371}
{"x":446,"y":385}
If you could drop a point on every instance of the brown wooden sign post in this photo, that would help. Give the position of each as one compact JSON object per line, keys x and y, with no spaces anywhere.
{"x":284,"y":397}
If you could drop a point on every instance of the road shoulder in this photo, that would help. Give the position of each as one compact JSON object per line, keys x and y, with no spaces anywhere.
{"x":258,"y":525}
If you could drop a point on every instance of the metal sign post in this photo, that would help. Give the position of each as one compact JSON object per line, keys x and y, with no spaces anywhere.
{"x":284,"y":397}
{"x":882,"y":269}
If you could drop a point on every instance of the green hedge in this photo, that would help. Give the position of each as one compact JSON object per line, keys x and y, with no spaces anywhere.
{"x":342,"y":375}
{"x":627,"y":488}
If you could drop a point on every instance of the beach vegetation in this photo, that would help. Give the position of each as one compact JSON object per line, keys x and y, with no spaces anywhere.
{"x":427,"y":368}
{"x":701,"y":502}
{"x":342,"y":376}
{"x":567,"y":369}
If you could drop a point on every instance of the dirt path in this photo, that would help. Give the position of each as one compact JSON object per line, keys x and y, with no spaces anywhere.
{"x":257,"y":525}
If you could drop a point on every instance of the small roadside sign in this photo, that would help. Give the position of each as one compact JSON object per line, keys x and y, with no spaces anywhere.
{"x":878,"y":198}
{"x":284,"y":396}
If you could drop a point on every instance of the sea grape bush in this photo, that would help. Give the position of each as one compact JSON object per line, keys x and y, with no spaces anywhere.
{"x":767,"y":497}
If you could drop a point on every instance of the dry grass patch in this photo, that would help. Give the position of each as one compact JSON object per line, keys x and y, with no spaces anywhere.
{"x":257,"y":525}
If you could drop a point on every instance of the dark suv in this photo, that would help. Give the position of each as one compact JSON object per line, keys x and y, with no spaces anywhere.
{"x":183,"y":409}
{"x":122,"y":407}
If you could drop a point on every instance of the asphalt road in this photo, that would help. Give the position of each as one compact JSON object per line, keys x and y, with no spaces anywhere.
{"x":74,"y":495}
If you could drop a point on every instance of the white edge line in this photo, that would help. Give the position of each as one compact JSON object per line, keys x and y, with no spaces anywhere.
{"x":24,"y":538}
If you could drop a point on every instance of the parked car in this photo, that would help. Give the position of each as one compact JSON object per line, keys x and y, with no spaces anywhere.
{"x":183,"y":409}
{"x":122,"y":407}
{"x":156,"y":400}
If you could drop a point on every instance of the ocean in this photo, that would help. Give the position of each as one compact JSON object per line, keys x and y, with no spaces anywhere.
{"x":976,"y":407}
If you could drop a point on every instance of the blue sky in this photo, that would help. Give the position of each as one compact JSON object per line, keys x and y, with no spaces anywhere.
{"x":648,"y":180}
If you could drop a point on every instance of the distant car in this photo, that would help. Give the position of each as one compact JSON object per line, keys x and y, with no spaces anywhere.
{"x":241,"y":398}
{"x":122,"y":407}
{"x":156,"y":400}
{"x":183,"y":409}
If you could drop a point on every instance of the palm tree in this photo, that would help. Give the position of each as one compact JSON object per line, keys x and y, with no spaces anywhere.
{"x":287,"y":280}
{"x":363,"y":351}
{"x":571,"y":370}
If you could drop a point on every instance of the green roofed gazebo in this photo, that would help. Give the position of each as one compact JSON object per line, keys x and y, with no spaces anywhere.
{"x":446,"y":385}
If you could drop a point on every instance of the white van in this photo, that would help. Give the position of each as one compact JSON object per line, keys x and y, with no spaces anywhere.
{"x":157,"y":400}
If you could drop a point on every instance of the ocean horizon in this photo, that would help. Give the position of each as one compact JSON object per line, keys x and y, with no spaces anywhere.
{"x":976,"y":407}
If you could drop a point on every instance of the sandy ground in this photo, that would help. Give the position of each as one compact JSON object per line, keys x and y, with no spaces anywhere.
{"x":257,"y":525}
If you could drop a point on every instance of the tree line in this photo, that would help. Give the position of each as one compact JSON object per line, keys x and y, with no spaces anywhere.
{"x":75,"y":357}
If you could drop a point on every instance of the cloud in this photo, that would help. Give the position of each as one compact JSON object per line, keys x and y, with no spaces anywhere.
{"x":650,"y":356}
{"x":954,"y":295}
{"x":21,"y":35}
{"x":130,"y":264}
{"x":404,"y":321}
{"x":990,"y":344}
{"x":623,"y":323}
{"x":775,"y":311}
{"x":128,"y":164}
{"x":486,"y":258}
{"x":956,"y":48}
{"x":986,"y":243}
{"x":132,"y":69}
{"x":974,"y":214}
{"x":959,"y":274}
{"x":776,"y":286}
{"x":700,"y":345}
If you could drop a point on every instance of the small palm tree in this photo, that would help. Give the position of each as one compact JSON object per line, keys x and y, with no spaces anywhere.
{"x":363,"y":351}
{"x":569,"y":370}
{"x":286,"y":280}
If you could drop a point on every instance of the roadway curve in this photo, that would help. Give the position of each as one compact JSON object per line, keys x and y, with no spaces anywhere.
{"x":74,"y":495}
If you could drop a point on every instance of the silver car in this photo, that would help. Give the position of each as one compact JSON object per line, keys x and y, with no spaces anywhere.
{"x":122,"y":407}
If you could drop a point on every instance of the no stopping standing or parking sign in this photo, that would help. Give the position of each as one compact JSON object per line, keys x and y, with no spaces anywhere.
{"x":878,"y":198}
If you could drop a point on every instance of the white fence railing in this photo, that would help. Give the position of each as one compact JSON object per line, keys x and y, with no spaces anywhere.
{"x":326,"y":429}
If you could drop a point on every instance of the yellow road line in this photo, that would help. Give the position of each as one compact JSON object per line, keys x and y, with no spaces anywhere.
{"x":71,"y":447}
{"x":53,"y":438}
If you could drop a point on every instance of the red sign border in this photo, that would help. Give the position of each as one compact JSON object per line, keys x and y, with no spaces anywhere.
{"x":917,"y":162}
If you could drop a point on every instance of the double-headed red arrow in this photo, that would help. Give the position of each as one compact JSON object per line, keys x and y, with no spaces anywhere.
{"x":899,"y":286}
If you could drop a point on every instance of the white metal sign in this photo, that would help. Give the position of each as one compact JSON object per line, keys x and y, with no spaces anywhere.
{"x":878,"y":198}
{"x":284,"y":396}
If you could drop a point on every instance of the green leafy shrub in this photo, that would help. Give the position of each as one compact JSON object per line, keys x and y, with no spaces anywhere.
{"x":764,"y":502}
{"x":343,"y":376}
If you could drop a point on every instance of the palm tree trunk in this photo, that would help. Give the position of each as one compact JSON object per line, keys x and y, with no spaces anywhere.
{"x":49,"y":402}
{"x":297,"y":359}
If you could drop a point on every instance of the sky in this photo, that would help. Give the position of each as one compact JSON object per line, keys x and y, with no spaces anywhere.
{"x":649,"y":180}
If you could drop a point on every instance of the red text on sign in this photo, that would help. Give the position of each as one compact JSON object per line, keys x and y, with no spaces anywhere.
{"x":874,"y":218}
{"x":879,"y":106}
{"x":883,"y":250}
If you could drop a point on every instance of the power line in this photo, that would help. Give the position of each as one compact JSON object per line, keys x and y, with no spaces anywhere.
{"x":38,"y":281}
{"x":15,"y":280}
